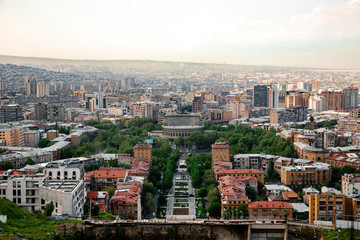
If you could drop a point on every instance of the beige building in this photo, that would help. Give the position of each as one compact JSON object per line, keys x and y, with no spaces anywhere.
{"x":313,"y":174}
{"x":142,"y":151}
{"x":348,"y":125}
{"x":13,"y":137}
{"x":52,"y":134}
{"x":42,"y":89}
{"x":270,"y":209}
{"x":31,"y":138}
{"x":330,"y":205}
{"x":220,"y":151}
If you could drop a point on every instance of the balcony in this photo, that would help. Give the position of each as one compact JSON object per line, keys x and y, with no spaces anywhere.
{"x":322,"y":212}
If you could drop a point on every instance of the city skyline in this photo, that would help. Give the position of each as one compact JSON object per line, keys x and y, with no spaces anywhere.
{"x":322,"y":34}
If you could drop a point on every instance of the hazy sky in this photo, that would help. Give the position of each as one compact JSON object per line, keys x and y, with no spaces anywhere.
{"x":316,"y":33}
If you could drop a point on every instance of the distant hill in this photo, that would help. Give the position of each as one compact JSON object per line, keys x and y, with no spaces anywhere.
{"x":122,"y":65}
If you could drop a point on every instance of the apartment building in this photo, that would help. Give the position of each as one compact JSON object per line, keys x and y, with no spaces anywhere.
{"x":12,"y":136}
{"x":275,"y":189}
{"x":126,"y":202}
{"x":31,"y":138}
{"x":310,"y":191}
{"x":241,"y":173}
{"x":348,"y":126}
{"x":233,"y":193}
{"x":254,"y":161}
{"x":350,"y":184}
{"x":314,"y":174}
{"x":65,"y":170}
{"x":142,"y":151}
{"x":24,"y":190}
{"x":330,"y":205}
{"x":220,"y":151}
{"x":294,"y":114}
{"x":342,"y":159}
{"x":68,"y":196}
{"x":10,"y":113}
{"x":105,"y":177}
{"x":305,"y":151}
{"x":270,"y":209}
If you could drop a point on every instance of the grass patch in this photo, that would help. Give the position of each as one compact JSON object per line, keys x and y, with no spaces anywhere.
{"x":104,"y":216}
{"x":23,"y":224}
{"x":180,"y":200}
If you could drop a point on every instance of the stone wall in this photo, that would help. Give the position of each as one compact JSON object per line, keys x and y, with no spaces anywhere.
{"x":181,"y":231}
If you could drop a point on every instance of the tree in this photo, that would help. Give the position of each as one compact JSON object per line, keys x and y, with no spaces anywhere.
{"x":195,"y":138}
{"x":95,"y":210}
{"x":49,"y":208}
{"x":180,"y":141}
{"x":111,"y":191}
{"x":243,"y":208}
{"x":214,"y":209}
{"x":202,"y":192}
{"x":6,"y":165}
{"x":29,"y":161}
{"x":329,"y":124}
{"x":251,"y":193}
{"x":44,"y":142}
{"x":148,"y":201}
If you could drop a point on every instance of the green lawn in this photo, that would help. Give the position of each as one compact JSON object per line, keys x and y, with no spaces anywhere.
{"x":181,"y":200}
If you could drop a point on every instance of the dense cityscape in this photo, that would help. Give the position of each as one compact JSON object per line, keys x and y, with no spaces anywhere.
{"x":179,"y":120}
{"x":202,"y":145}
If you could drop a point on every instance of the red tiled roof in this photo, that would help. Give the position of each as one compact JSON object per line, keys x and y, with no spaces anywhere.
{"x":243,"y":171}
{"x":102,"y":206}
{"x":92,"y":195}
{"x":129,"y":195}
{"x":269,"y":204}
{"x":17,"y":173}
{"x":107,"y":174}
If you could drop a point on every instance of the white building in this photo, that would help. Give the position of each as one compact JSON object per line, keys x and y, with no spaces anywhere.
{"x":350,"y":184}
{"x":65,"y":170}
{"x":275,"y":189}
{"x":24,"y":190}
{"x":67,"y":196}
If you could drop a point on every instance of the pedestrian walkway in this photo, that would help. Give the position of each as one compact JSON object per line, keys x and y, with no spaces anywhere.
{"x":181,"y":198}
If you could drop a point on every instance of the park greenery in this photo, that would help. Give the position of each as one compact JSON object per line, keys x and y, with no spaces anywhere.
{"x":202,"y":178}
{"x":113,"y":138}
{"x":312,"y":125}
{"x":242,"y":139}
